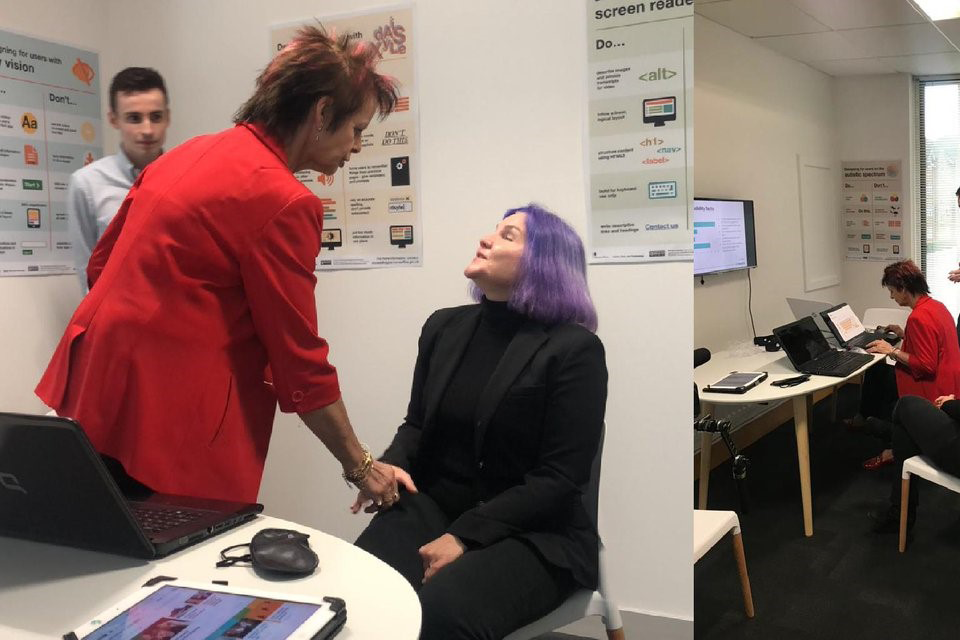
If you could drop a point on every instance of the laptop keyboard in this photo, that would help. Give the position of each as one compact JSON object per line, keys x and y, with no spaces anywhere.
{"x":158,"y":518}
{"x":840,"y":363}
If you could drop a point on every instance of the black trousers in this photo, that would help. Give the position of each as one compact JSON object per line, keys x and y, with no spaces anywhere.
{"x":484,"y":594}
{"x":919,"y":428}
{"x":878,"y":394}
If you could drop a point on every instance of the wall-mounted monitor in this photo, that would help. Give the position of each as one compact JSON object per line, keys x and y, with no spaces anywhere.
{"x":723,"y":235}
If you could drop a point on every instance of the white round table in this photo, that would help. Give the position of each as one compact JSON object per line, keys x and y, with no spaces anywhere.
{"x":778,"y":366}
{"x":48,"y":590}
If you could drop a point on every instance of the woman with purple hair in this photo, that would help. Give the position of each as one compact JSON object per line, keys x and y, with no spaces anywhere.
{"x":504,"y":420}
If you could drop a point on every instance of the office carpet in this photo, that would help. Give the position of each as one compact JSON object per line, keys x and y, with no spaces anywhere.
{"x":845,"y":581}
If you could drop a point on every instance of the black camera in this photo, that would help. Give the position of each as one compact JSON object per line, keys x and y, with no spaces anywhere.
{"x":770,"y":343}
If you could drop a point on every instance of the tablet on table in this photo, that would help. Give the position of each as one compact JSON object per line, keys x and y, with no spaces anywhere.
{"x":180,"y":609}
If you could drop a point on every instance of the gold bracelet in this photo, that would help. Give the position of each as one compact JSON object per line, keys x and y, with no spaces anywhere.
{"x":357,"y":476}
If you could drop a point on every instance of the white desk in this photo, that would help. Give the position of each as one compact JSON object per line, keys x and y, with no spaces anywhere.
{"x":47,"y":590}
{"x":778,"y":367}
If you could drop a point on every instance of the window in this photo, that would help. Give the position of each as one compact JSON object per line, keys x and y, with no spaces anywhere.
{"x":938,"y":142}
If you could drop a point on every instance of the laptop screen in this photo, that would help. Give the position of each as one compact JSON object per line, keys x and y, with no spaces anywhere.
{"x":802,"y":341}
{"x":847,"y":323}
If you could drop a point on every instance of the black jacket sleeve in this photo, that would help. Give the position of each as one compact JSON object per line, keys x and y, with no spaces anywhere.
{"x":403,"y":449}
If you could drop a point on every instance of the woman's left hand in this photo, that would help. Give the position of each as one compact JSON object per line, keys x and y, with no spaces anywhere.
{"x":439,"y":553}
{"x":880,"y":346}
{"x":369,"y":505}
{"x":940,"y":400}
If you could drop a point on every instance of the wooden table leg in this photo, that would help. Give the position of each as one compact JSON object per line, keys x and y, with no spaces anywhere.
{"x":706,"y":445}
{"x":802,"y":410}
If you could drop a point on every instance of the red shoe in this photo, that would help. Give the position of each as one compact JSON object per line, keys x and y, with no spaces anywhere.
{"x":876,"y":462}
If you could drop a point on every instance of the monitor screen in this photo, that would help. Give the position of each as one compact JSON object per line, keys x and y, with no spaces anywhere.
{"x":723,"y":235}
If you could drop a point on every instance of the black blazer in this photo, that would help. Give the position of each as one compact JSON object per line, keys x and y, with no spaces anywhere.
{"x":538,"y":426}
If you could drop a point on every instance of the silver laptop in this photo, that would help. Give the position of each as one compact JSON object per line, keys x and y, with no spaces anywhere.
{"x":801,"y":308}
{"x":804,"y":308}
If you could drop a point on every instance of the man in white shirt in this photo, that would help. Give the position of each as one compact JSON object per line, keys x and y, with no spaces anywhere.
{"x":139,"y":111}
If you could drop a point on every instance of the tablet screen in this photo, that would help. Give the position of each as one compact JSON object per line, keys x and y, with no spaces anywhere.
{"x":736,"y":380}
{"x":175,"y":613}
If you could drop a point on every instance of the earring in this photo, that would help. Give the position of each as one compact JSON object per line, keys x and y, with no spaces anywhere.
{"x":319,"y":131}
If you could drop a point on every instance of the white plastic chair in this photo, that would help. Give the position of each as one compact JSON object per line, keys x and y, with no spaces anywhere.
{"x":920,"y":466}
{"x":708,"y":528}
{"x":882,"y":316}
{"x":584,"y":602}
{"x":581,"y":604}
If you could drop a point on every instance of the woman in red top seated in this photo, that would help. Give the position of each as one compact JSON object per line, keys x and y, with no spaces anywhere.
{"x":202,"y":316}
{"x":928,"y":360}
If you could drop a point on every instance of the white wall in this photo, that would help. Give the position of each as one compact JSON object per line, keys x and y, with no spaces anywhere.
{"x":754,"y":112}
{"x":34,"y":310}
{"x":875,"y":124}
{"x":502,"y":94}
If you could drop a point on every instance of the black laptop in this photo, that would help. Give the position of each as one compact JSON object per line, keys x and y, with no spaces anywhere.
{"x":809,"y":351}
{"x":848,"y":329}
{"x":55,"y":488}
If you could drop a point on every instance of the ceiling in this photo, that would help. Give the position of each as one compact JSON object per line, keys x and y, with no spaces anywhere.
{"x":845,"y":37}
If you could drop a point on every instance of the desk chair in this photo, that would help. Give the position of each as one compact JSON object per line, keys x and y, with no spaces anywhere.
{"x":882,"y":316}
{"x":920,"y":466}
{"x":708,"y":528}
{"x":583,"y":602}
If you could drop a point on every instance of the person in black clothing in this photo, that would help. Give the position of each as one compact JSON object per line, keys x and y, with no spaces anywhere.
{"x":920,"y":427}
{"x":505,"y":418}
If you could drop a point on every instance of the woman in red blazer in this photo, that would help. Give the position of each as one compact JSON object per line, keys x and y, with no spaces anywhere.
{"x":201,"y":316}
{"x":928,"y":360}
{"x":504,"y":421}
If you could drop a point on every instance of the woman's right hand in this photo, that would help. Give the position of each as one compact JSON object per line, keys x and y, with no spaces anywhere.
{"x":380,"y":487}
{"x":939,"y":401}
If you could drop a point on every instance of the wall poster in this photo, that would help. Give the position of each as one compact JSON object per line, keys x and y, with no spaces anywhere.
{"x":371,"y":207}
{"x":50,"y":126}
{"x":872,"y":221}
{"x":639,"y":130}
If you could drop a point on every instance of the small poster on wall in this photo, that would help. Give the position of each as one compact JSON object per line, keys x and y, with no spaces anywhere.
{"x":371,"y":206}
{"x":872,"y":222}
{"x":50,"y":126}
{"x":639,"y":131}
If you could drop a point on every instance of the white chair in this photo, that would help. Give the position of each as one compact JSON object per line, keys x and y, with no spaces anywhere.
{"x":882,"y":316}
{"x":584,"y":602}
{"x":708,"y":528}
{"x":920,"y":466}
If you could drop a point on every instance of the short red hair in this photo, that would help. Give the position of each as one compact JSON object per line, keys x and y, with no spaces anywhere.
{"x":312,"y":66}
{"x":905,"y":276}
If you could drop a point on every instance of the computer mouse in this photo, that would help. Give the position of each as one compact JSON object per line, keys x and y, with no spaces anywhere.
{"x":283,"y":551}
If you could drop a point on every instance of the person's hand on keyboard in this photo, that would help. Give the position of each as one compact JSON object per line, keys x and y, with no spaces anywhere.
{"x":880,"y":346}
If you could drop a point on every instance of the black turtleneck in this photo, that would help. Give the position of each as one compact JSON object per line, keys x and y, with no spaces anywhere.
{"x":454,"y":471}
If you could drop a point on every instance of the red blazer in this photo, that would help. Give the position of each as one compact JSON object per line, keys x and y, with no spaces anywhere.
{"x":203,"y":279}
{"x":930,"y":338}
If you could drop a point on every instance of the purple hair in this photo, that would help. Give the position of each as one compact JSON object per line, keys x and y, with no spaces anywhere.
{"x":552,"y":285}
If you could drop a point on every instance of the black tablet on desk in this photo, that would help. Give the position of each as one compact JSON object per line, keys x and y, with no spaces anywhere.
{"x":737,"y":382}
